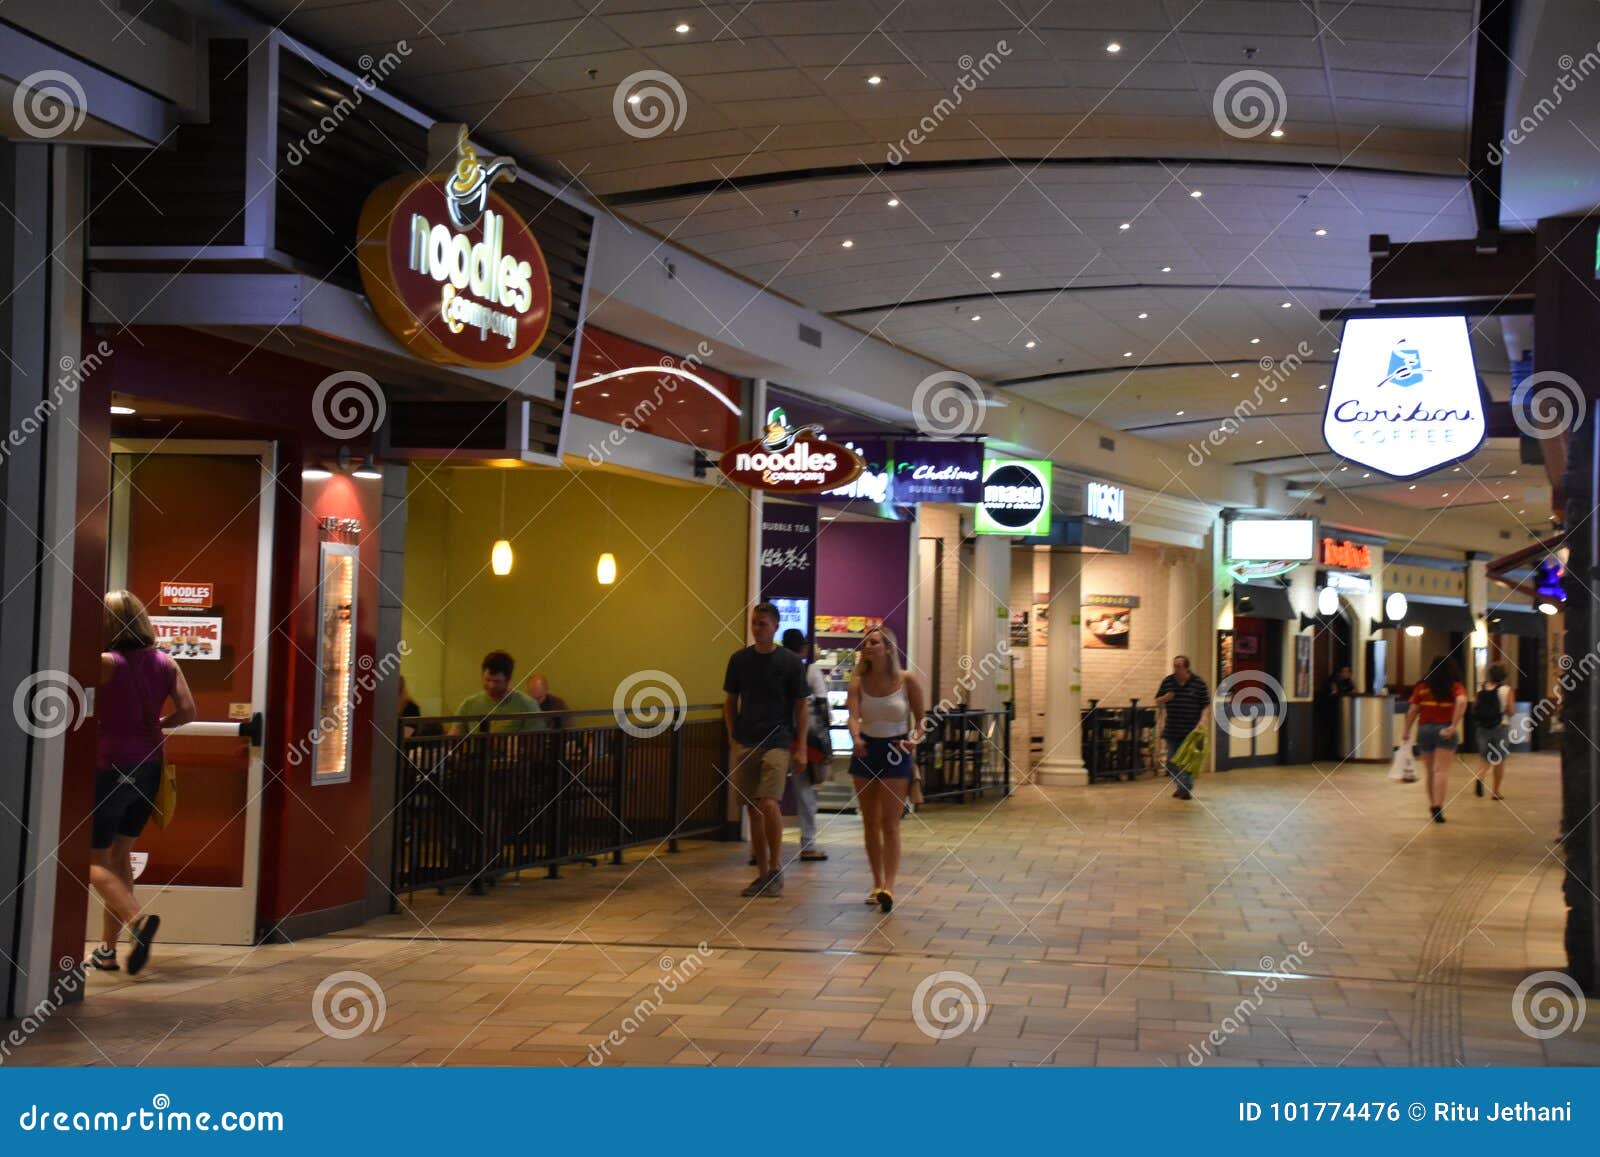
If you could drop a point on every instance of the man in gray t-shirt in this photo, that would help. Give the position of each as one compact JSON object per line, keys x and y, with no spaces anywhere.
{"x":765,"y":707}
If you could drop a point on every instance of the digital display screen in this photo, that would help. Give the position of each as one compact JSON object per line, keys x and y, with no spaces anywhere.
{"x":794,"y":613}
{"x":1272,"y":540}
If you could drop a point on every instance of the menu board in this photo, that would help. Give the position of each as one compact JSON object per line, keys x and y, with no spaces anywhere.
{"x":189,"y":636}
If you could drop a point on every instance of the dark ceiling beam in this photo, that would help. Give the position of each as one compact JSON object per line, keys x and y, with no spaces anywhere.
{"x":1455,"y":272}
{"x":1471,"y":307}
{"x":1058,"y":290}
{"x":1491,"y":73}
{"x":1128,"y":367}
{"x":800,"y":176}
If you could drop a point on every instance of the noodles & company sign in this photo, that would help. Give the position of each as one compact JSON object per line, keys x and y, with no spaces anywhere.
{"x":788,"y":460}
{"x":451,"y":269}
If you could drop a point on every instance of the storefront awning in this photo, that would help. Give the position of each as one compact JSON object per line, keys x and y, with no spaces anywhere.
{"x":1509,"y":621}
{"x":1262,"y":601}
{"x":1451,"y":617}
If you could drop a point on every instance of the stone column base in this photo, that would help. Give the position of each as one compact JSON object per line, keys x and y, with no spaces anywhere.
{"x":1061,"y":773}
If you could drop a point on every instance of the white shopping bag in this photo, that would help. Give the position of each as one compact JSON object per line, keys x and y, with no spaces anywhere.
{"x":1402,"y":764}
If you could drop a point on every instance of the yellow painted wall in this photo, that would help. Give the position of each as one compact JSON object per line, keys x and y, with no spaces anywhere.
{"x":678,"y":604}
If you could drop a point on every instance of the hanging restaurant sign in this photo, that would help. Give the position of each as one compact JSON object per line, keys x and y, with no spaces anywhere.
{"x":787,"y":460}
{"x":1346,"y":555}
{"x":451,"y":269}
{"x":1405,"y":396}
{"x":926,"y":470}
{"x":1016,"y":497}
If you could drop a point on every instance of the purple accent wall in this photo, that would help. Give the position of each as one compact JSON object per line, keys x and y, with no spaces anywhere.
{"x":863,"y":569}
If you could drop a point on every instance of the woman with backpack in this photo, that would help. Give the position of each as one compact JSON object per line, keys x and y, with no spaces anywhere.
{"x":1438,"y":705}
{"x":1491,"y":711}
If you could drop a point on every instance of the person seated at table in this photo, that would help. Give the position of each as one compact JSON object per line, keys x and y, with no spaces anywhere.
{"x":538,"y":688}
{"x":497,"y":698}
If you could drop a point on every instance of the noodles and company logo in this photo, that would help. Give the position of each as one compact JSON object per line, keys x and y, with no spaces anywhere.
{"x":1016,"y":497}
{"x":1405,"y":398}
{"x":787,"y":459}
{"x":451,"y":269}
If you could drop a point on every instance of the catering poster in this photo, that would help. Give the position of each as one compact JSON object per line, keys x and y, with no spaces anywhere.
{"x":188,"y":636}
{"x":1107,"y":625}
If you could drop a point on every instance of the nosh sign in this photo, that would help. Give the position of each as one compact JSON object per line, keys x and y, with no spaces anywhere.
{"x":790,"y":460}
{"x":452,"y":270}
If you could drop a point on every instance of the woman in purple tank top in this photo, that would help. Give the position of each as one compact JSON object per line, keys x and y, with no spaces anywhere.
{"x":136,"y":680}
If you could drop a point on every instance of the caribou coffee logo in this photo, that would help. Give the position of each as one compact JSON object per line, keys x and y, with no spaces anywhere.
{"x":1405,"y":396}
{"x":451,"y":269}
{"x":794,"y":459}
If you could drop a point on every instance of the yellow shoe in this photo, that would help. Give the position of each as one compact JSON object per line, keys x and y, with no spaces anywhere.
{"x":872,"y":896}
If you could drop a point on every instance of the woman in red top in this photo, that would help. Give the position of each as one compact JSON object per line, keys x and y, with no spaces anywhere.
{"x":1438,"y":703}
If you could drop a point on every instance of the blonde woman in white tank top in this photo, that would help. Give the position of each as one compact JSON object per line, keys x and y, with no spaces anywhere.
{"x":886,"y":708}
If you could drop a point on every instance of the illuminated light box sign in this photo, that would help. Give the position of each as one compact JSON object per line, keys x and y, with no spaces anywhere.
{"x":1016,"y":497}
{"x":1347,"y":584}
{"x":1265,"y":547}
{"x":1341,"y":552}
{"x":451,"y":269}
{"x":1105,"y":502}
{"x":1404,"y":398}
{"x":937,"y":472}
{"x":872,"y":484}
{"x":790,"y":460}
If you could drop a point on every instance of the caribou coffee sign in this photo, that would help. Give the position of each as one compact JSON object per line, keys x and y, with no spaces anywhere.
{"x":790,"y":460}
{"x":1405,"y":396}
{"x":451,"y":269}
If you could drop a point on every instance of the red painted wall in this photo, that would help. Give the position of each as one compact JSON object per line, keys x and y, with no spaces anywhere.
{"x":313,"y":839}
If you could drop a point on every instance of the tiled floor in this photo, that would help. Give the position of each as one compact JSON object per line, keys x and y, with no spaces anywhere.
{"x":1111,"y":925}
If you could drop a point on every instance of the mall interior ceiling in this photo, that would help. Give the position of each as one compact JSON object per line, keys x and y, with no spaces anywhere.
{"x":1133,"y":213}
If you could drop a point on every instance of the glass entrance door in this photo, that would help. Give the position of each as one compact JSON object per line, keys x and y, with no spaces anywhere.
{"x":191,"y":535}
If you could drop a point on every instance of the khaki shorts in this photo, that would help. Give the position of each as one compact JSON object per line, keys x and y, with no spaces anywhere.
{"x":759,"y":772}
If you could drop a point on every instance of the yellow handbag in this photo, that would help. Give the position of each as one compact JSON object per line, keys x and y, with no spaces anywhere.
{"x":166,"y":802}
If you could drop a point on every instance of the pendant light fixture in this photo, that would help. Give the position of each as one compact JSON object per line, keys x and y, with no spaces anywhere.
{"x":500,"y":553}
{"x":605,"y":571}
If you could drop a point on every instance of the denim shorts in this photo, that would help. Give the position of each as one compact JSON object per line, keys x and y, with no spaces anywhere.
{"x":1429,"y":738}
{"x":885,"y":759}
{"x":1493,"y":742}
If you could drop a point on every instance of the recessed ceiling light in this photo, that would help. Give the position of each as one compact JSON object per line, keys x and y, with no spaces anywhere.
{"x":1322,"y":232}
{"x":682,"y":28}
{"x":123,"y":410}
{"x":1366,"y":476}
{"x":1344,"y":468}
{"x":874,"y":79}
{"x":893,"y":202}
{"x":1180,"y":413}
{"x":1114,"y":47}
{"x":1335,"y":349}
{"x":1197,"y":193}
{"x":1234,"y":374}
{"x":1413,"y":486}
{"x":1286,"y":305}
{"x":1513,"y":472}
{"x":995,"y":276}
{"x":1261,"y":441}
{"x":1522,"y":512}
{"x":1323,"y":386}
{"x":1166,"y":269}
{"x":1458,"y":470}
{"x":1031,"y":344}
{"x":633,"y":99}
{"x":1444,"y":494}
{"x":1275,"y":133}
{"x":604,"y":394}
{"x":1283,"y":399}
{"x":1126,"y":225}
{"x":848,"y":244}
{"x":1255,"y":341}
{"x":976,"y":317}
{"x":1142,"y":316}
{"x":1503,"y":497}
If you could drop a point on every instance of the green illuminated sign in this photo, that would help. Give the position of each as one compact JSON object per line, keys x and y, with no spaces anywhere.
{"x":1016,"y":497}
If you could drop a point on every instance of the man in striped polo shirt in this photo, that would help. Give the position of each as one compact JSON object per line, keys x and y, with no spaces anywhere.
{"x":1188,"y":702}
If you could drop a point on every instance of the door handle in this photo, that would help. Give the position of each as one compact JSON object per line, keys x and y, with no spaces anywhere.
{"x":254,"y":729}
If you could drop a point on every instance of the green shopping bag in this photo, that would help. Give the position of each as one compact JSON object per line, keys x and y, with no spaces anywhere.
{"x":1190,"y":758}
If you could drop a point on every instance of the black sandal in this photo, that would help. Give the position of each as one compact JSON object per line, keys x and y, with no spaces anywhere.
{"x":104,"y":959}
{"x":144,"y":931}
{"x":812,"y":855}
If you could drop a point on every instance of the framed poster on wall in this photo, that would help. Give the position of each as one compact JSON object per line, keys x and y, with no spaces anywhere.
{"x":1041,"y":624}
{"x":1107,"y":625}
{"x":1224,"y":655}
{"x":1302,"y":666}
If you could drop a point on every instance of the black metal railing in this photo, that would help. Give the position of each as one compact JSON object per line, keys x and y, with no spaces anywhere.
{"x":1119,"y":742}
{"x":474,"y":801}
{"x":966,"y":754}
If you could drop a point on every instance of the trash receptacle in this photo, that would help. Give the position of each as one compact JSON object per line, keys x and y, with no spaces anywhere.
{"x":1366,"y":728}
